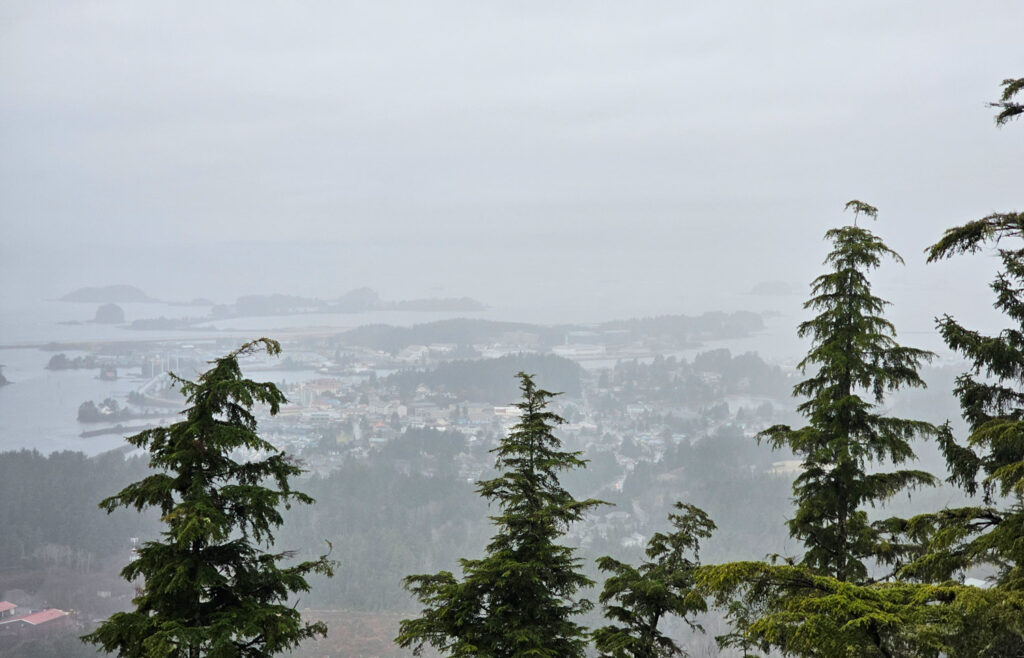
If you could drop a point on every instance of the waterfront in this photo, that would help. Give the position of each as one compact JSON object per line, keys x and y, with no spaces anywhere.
{"x":38,"y":410}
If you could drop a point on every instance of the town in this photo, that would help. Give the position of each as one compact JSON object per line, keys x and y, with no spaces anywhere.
{"x":625,"y":391}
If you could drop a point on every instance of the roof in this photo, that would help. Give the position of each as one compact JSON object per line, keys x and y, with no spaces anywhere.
{"x":7,"y":605}
{"x":37,"y":618}
{"x":44,"y":616}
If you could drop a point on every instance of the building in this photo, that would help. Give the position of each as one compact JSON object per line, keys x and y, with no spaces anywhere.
{"x":48,"y":619}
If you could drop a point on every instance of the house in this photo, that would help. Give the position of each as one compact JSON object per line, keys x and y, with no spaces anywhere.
{"x":49,"y":618}
{"x":7,"y":610}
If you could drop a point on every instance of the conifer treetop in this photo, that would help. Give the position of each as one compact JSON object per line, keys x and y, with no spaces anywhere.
{"x":827,"y":602}
{"x":637,"y":599}
{"x":854,"y":361}
{"x":859,"y":207}
{"x":520,"y":599}
{"x":208,"y":588}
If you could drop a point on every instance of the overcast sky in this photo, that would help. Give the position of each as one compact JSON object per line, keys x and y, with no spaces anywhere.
{"x":444,"y":148}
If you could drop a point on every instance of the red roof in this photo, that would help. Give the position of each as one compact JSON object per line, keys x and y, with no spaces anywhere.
{"x":37,"y":618}
{"x":6,"y":605}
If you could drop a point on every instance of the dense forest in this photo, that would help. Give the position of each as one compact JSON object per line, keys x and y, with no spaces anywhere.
{"x":49,"y":514}
{"x":487,"y":379}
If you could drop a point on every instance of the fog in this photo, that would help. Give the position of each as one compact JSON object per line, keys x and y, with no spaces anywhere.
{"x":386,"y":187}
{"x":639,"y":159}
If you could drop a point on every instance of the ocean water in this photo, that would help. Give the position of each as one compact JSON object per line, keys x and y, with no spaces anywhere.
{"x":38,"y":410}
{"x":561,"y":283}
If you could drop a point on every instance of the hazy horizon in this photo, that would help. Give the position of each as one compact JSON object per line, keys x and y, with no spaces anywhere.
{"x":612,"y":160}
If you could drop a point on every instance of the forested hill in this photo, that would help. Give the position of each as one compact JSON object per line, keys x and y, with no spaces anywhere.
{"x":107,"y":295}
{"x":460,"y":331}
{"x":487,"y":379}
{"x":667,"y":330}
{"x":49,"y":513}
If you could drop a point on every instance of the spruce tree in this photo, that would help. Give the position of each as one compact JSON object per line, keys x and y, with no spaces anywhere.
{"x":989,"y":536}
{"x":520,"y":599}
{"x":855,"y":361}
{"x":827,"y":603}
{"x":1009,"y":108}
{"x":991,"y":397}
{"x":639,"y":598}
{"x":927,"y":610}
{"x":208,"y":586}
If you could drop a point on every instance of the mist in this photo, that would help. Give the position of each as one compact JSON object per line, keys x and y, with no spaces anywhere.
{"x":419,"y":200}
{"x":661,"y":155}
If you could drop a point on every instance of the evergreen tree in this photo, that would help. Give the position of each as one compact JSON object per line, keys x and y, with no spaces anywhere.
{"x":1009,"y":108}
{"x":827,"y":604}
{"x":992,"y":400}
{"x":856,"y":361}
{"x":989,"y":536}
{"x":208,"y":588}
{"x":927,"y":611}
{"x":962,"y":620}
{"x":638,"y":598}
{"x":521,"y":598}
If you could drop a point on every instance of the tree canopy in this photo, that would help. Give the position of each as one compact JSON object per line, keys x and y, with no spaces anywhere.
{"x":639,"y":598}
{"x":520,"y":599}
{"x":988,"y":537}
{"x":822,"y":602}
{"x":855,"y":361}
{"x":207,"y":586}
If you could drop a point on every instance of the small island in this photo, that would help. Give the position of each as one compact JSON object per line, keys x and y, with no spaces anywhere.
{"x":116,"y":294}
{"x":359,"y":300}
{"x":61,"y":361}
{"x":109,"y":314}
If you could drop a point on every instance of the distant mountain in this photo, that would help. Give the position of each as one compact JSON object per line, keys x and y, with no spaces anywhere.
{"x":117,"y":294}
{"x":482,"y":380}
{"x":457,"y":331}
{"x":666,"y":331}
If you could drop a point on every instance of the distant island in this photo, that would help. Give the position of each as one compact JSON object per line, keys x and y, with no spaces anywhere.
{"x":109,"y":314}
{"x":664,"y":332}
{"x":116,"y":294}
{"x":359,"y":300}
{"x":61,"y":361}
